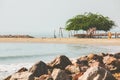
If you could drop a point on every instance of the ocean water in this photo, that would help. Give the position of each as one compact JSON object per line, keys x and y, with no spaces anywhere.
{"x":13,"y":56}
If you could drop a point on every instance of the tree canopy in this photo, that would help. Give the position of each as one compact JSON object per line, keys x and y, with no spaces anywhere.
{"x":89,"y":20}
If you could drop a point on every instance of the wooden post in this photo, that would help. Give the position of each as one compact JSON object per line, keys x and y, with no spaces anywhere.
{"x":60,"y":32}
{"x":54,"y":34}
{"x":98,"y":34}
{"x":115,"y":34}
{"x":69,"y":34}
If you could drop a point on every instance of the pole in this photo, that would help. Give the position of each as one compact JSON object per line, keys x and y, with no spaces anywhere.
{"x":54,"y":34}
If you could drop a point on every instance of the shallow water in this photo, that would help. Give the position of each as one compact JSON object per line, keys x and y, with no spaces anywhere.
{"x":16,"y":55}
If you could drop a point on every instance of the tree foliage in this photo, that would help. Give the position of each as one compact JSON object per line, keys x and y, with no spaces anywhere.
{"x":89,"y":20}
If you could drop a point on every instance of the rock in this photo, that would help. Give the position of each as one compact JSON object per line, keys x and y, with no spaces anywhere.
{"x":112,"y":64}
{"x":91,"y":56}
{"x":110,"y":55}
{"x":76,"y":76}
{"x":19,"y":71}
{"x":83,"y":68}
{"x":60,"y":62}
{"x":82,"y":62}
{"x":117,"y":55}
{"x":115,"y":67}
{"x":74,"y":61}
{"x":23,"y":69}
{"x":83,"y":58}
{"x":117,"y":76}
{"x":95,"y":57}
{"x":39,"y":69}
{"x":72,"y":69}
{"x":102,"y":54}
{"x":36,"y":78}
{"x":45,"y":77}
{"x":93,"y":63}
{"x":22,"y":76}
{"x":8,"y":78}
{"x":109,"y":60}
{"x":58,"y":74}
{"x":96,"y":73}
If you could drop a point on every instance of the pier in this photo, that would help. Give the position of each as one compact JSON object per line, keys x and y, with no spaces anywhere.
{"x":100,"y":35}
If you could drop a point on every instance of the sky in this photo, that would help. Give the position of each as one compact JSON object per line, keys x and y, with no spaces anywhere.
{"x":43,"y":16}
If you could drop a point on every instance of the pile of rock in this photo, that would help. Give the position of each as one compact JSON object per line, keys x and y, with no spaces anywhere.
{"x":16,"y":36}
{"x":90,"y":67}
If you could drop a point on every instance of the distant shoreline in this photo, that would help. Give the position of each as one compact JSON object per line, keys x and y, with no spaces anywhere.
{"x":103,"y":42}
{"x":16,"y":36}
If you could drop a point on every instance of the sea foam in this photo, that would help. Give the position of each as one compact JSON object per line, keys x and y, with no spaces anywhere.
{"x":8,"y":69}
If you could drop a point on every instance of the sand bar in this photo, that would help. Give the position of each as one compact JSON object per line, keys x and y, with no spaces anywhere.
{"x":65,"y":40}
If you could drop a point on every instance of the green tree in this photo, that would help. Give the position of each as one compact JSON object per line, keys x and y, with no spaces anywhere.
{"x":89,"y":20}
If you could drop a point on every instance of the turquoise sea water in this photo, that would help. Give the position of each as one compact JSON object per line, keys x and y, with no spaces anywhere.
{"x":16,"y":55}
{"x":31,"y":52}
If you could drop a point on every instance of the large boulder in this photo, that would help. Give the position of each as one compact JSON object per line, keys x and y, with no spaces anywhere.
{"x":58,"y":74}
{"x":22,"y":76}
{"x":96,"y":73}
{"x":39,"y":69}
{"x":60,"y":62}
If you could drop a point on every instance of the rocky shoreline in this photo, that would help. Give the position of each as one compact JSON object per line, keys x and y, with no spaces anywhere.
{"x":91,"y":67}
{"x":16,"y":36}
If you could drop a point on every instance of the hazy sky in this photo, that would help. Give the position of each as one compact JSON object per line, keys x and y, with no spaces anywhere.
{"x":41,"y":16}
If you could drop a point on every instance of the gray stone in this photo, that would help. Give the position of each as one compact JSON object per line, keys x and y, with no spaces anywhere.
{"x":60,"y":62}
{"x":39,"y":69}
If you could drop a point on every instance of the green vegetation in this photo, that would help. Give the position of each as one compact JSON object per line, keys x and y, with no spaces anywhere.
{"x":89,"y":20}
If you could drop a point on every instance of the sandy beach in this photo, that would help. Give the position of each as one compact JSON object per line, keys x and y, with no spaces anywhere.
{"x":65,"y":40}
